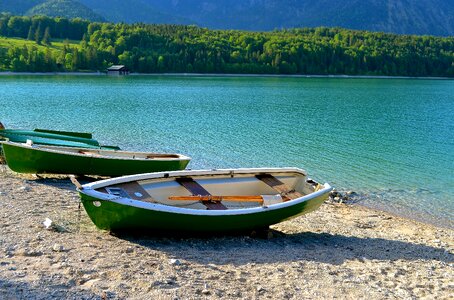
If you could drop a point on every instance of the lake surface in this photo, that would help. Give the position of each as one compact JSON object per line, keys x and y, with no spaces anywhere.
{"x":389,"y":139}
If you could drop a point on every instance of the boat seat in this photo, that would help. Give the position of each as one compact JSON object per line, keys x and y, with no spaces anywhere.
{"x":286,"y":193}
{"x":197,"y":190}
{"x":132,"y":190}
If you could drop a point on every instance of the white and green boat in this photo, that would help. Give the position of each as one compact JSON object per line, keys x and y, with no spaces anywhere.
{"x":203,"y":200}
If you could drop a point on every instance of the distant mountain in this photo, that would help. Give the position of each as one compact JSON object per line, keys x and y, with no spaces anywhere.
{"x":18,"y":7}
{"x":434,"y":17}
{"x":132,"y":11}
{"x":64,"y":8}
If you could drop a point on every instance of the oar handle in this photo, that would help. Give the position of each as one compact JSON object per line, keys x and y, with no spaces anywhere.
{"x":75,"y":182}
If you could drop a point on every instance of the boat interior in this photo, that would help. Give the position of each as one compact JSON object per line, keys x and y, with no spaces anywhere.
{"x":217,"y":192}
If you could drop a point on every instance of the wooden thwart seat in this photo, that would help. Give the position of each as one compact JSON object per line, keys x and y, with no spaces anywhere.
{"x":198,"y":190}
{"x":286,"y":193}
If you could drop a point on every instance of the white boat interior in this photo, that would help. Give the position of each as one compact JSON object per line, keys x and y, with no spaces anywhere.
{"x":215,"y":190}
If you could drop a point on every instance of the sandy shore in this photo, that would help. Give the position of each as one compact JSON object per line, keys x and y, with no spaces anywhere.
{"x":339,"y":251}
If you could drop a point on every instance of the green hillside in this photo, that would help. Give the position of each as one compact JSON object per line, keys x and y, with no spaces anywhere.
{"x":64,"y":8}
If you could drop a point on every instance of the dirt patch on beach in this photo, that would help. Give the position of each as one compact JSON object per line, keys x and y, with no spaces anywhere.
{"x":339,"y":251}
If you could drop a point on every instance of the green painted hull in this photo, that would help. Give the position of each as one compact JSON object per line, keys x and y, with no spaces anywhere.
{"x":35,"y":161}
{"x":113,"y":216}
{"x":53,"y":138}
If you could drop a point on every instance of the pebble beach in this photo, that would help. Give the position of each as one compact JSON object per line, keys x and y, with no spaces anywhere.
{"x":340,"y":251}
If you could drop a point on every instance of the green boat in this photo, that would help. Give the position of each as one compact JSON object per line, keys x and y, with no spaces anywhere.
{"x":40,"y":159}
{"x":202,"y":201}
{"x":53,"y":137}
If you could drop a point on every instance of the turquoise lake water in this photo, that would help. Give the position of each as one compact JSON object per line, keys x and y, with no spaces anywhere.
{"x":389,"y":139}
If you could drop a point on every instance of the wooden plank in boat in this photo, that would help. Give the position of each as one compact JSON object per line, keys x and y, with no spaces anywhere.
{"x":198,"y":190}
{"x":286,"y":193}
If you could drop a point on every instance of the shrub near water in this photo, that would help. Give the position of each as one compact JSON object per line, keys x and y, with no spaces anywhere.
{"x":176,"y":48}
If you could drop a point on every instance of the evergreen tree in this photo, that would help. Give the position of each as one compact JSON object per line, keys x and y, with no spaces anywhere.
{"x":38,"y":34}
{"x":46,"y":37}
{"x":30,"y":33}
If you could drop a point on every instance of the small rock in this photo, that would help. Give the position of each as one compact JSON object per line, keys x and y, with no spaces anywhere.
{"x":129,"y":250}
{"x":206,"y":292}
{"x":28,"y":252}
{"x":47,"y":223}
{"x":24,"y":189}
{"x":57,"y":248}
{"x":260,"y":289}
{"x":175,"y":262}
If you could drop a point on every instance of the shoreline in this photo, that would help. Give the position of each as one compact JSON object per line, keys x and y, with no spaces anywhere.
{"x":99,"y":73}
{"x":339,"y":250}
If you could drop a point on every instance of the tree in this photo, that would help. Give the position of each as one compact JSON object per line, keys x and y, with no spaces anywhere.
{"x":38,"y":34}
{"x":30,"y":33}
{"x":46,"y":37}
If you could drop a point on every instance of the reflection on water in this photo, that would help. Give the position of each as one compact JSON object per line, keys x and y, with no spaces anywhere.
{"x":392,"y":139}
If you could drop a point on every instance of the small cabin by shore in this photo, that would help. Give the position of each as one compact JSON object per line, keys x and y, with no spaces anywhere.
{"x":117,"y":70}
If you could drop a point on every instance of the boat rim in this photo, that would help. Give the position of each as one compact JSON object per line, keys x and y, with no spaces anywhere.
{"x":89,"y":190}
{"x":61,"y":150}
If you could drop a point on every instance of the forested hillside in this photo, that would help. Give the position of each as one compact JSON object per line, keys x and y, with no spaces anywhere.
{"x":64,"y":8}
{"x":430,"y":17}
{"x":177,"y":48}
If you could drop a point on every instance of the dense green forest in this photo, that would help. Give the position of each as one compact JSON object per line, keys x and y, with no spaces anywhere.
{"x":177,"y":48}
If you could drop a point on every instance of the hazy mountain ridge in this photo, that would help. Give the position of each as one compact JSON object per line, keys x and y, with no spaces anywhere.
{"x":434,"y":17}
{"x":399,"y":16}
{"x":131,"y":11}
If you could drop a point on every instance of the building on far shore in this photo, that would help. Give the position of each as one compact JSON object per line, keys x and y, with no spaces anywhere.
{"x":117,"y":70}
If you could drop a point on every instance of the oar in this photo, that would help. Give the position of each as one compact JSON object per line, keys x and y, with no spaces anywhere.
{"x":75,"y":182}
{"x":218,"y":198}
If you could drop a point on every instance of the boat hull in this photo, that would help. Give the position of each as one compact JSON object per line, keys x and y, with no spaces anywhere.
{"x":54,"y":138}
{"x":142,"y":202}
{"x":33,"y":160}
{"x":113,"y":216}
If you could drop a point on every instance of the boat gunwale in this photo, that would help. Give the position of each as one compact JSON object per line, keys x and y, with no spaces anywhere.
{"x":90,"y":190}
{"x":73,"y":151}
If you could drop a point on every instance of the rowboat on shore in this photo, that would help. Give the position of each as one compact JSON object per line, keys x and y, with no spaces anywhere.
{"x":201,"y":201}
{"x":53,"y":137}
{"x":39,"y":159}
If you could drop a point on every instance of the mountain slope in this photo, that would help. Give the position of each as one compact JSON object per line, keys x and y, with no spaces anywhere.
{"x":64,"y":8}
{"x":398,"y":16}
{"x":131,"y":11}
{"x":18,"y":6}
{"x":434,"y":17}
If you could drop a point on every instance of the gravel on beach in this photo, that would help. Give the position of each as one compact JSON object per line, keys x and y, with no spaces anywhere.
{"x":338,"y":251}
